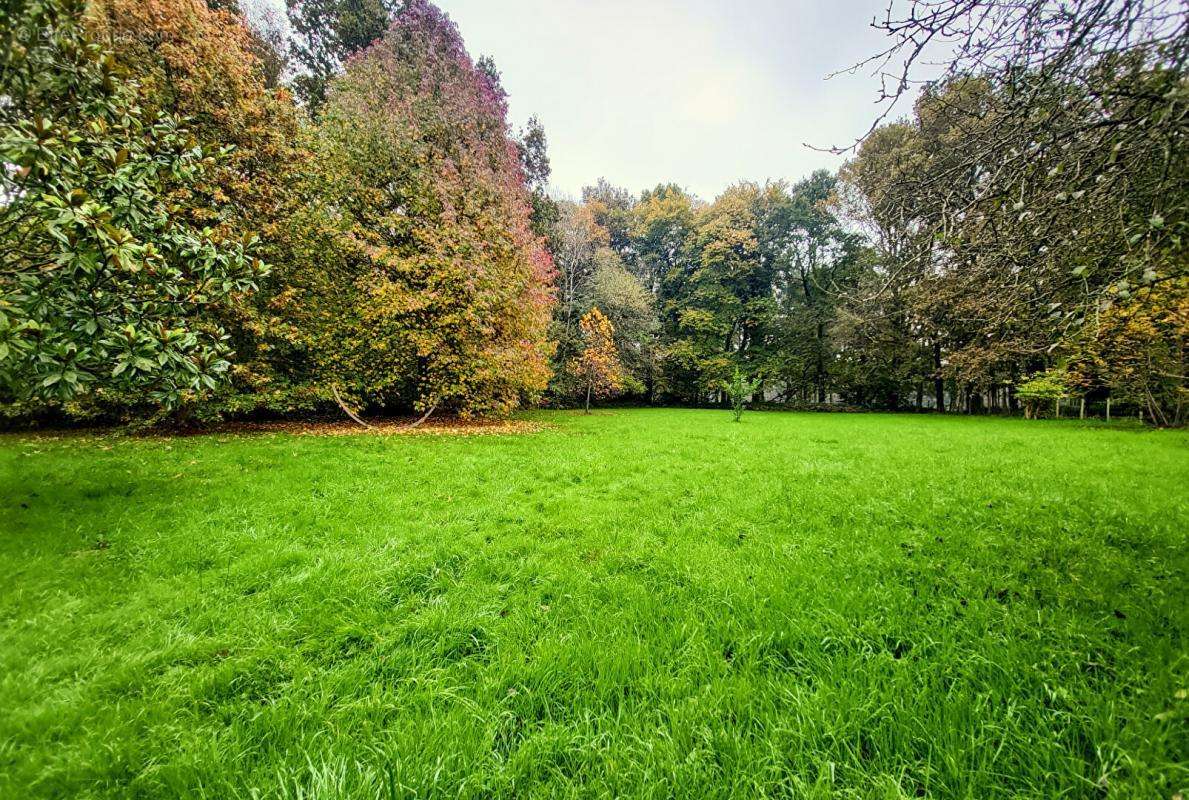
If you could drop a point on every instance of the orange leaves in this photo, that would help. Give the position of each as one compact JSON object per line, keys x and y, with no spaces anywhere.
{"x":418,"y":233}
{"x":199,"y":64}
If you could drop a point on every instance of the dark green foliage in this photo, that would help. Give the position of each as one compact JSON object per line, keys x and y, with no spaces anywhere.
{"x":534,"y":163}
{"x":326,"y":33}
{"x":105,"y":288}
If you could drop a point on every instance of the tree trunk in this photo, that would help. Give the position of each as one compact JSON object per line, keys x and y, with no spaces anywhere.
{"x":338,"y":399}
{"x":1082,"y":409}
{"x":938,"y":381}
{"x":587,"y":398}
{"x":424,"y":416}
{"x":1108,"y":408}
{"x":820,"y":378}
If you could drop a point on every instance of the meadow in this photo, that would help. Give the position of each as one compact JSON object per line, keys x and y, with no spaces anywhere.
{"x":635,"y":603}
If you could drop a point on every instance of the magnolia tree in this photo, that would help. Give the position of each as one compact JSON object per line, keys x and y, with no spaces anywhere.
{"x":104,"y":286}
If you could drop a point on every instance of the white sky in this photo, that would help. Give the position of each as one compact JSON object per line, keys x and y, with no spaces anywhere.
{"x":702,"y":93}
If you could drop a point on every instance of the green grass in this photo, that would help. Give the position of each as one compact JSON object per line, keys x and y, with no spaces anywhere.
{"x":653,"y":603}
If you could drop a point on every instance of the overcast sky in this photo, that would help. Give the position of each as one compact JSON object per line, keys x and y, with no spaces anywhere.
{"x":702,"y":93}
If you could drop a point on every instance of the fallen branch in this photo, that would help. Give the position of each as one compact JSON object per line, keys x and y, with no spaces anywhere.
{"x":335,"y":391}
{"x":424,"y":416}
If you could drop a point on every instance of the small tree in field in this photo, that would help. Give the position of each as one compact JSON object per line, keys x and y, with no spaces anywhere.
{"x":1041,"y":389}
{"x":739,"y":389}
{"x":598,"y":364}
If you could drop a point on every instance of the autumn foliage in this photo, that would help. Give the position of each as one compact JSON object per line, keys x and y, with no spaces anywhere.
{"x":199,"y":64}
{"x":404,"y":272}
{"x":108,"y":292}
{"x":176,"y":229}
{"x":1138,"y":348}
{"x":420,"y":284}
{"x":597,"y":365}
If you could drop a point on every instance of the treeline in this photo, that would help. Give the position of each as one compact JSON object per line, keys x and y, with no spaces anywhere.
{"x":1019,"y":241}
{"x":203,"y":217}
{"x":695,"y":290}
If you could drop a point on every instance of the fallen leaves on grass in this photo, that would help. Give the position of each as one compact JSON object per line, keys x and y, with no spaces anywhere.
{"x":446,"y":426}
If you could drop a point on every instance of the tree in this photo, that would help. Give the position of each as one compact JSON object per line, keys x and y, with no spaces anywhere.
{"x":598,"y":364}
{"x":577,"y":238}
{"x":1138,"y":350}
{"x":660,"y":226}
{"x":104,"y":288}
{"x":202,"y":65}
{"x":629,"y":308}
{"x":420,"y":283}
{"x":739,"y":389}
{"x":813,"y":259}
{"x":534,"y":162}
{"x":612,"y":209}
{"x":326,"y":33}
{"x":1050,"y":174}
{"x":532,"y":147}
{"x":717,"y":314}
{"x":1042,"y":389}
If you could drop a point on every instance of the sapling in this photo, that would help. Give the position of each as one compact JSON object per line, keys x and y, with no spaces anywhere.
{"x":739,"y":389}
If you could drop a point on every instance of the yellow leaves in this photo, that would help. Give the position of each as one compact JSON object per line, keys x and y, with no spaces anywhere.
{"x":698,"y":320}
{"x":598,"y":363}
{"x":596,"y":327}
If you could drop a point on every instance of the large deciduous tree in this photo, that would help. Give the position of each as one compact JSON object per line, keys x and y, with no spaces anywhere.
{"x":420,"y":284}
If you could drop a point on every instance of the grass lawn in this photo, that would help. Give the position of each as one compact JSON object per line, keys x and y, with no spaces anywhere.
{"x":653,"y":603}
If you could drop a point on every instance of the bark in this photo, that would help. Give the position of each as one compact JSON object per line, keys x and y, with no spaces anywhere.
{"x":338,"y":399}
{"x":820,"y":377}
{"x":938,"y":381}
{"x":424,"y":416}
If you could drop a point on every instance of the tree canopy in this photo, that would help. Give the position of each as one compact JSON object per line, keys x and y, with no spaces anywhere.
{"x":202,"y":215}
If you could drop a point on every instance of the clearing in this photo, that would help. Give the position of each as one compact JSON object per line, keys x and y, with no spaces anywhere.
{"x":641,"y":602}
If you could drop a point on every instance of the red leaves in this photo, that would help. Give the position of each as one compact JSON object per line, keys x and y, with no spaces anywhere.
{"x":441,"y":292}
